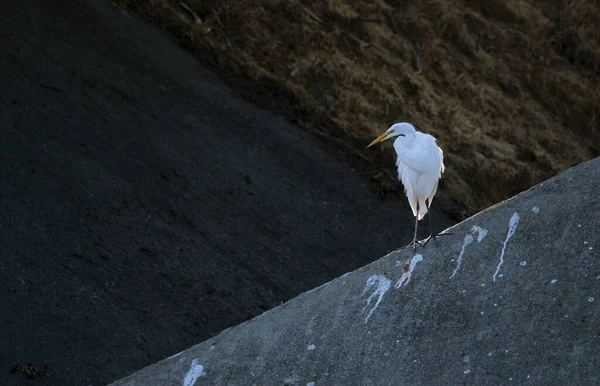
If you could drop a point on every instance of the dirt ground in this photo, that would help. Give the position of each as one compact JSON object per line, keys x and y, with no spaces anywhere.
{"x":145,"y":208}
{"x":510,"y":88}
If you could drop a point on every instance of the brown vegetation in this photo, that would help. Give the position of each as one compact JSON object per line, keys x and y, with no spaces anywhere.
{"x":510,"y":88}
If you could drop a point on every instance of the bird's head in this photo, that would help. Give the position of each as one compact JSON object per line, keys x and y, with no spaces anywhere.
{"x":397,"y":129}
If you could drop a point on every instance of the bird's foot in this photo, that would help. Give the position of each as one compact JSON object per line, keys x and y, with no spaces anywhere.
{"x":414,"y":244}
{"x":425,"y":241}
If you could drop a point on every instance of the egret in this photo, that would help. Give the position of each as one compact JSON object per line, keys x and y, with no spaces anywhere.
{"x":420,"y":164}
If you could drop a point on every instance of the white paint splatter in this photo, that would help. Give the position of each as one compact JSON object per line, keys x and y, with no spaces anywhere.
{"x":578,"y":225}
{"x":512,"y":227}
{"x":196,"y":371}
{"x":590,"y":299}
{"x":468,"y":240}
{"x":523,"y":263}
{"x":405,"y":278}
{"x":310,"y":384}
{"x":383,"y":285}
{"x":553,"y":281}
{"x":311,"y":347}
{"x":535,"y":209}
{"x":501,"y":275}
{"x":491,"y":353}
{"x":467,"y":371}
{"x":590,"y":248}
{"x":585,"y":243}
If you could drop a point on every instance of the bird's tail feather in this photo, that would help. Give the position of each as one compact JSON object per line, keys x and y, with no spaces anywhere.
{"x":422,"y":209}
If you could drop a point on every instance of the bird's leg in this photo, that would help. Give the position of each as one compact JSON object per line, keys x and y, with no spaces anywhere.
{"x":415,"y":242}
{"x":431,"y":234}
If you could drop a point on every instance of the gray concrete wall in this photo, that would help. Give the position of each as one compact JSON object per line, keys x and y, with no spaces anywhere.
{"x":512,"y":297}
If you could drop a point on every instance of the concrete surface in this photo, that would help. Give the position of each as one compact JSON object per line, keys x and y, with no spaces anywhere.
{"x":144,"y":208}
{"x":512,"y":297}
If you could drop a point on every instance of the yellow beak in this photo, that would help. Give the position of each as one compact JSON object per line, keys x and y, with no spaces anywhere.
{"x":379,"y":139}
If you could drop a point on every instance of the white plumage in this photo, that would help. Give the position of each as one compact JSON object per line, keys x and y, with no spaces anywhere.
{"x":420,"y":164}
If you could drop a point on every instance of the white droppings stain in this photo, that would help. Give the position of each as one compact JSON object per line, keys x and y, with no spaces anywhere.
{"x":553,"y":281}
{"x":481,"y":232}
{"x":590,"y":299}
{"x":483,"y":284}
{"x":196,"y":371}
{"x":501,"y":275}
{"x":535,"y":209}
{"x":468,"y":240}
{"x":590,"y":248}
{"x":405,"y":278}
{"x":495,"y":304}
{"x":578,"y":225}
{"x":310,"y":384}
{"x":529,"y":376}
{"x":482,"y":312}
{"x":383,"y":285}
{"x":174,"y":355}
{"x":490,"y":353}
{"x":585,"y":243}
{"x":311,"y":347}
{"x":523,"y":263}
{"x":510,"y":379}
{"x":598,"y":277}
{"x":467,"y":371}
{"x":512,"y":227}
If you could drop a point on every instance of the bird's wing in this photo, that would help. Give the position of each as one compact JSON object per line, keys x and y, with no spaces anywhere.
{"x":442,"y":167}
{"x":424,"y":156}
{"x":408,"y":177}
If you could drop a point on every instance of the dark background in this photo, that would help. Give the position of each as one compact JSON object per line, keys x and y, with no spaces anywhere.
{"x":144,"y":208}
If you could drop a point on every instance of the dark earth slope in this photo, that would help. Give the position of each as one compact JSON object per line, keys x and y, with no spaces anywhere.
{"x":144,"y":209}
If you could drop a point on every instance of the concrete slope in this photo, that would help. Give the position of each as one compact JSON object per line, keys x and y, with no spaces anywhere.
{"x":512,"y":297}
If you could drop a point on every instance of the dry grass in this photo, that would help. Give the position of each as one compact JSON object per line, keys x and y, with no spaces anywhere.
{"x":510,"y":88}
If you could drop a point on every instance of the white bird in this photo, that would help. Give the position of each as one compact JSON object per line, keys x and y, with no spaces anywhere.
{"x":420,"y":166}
